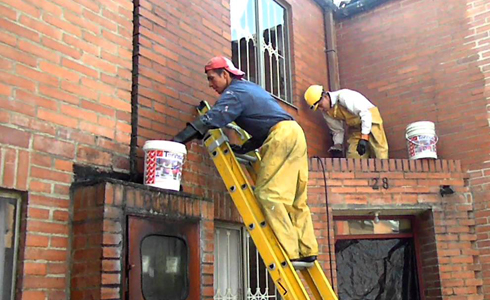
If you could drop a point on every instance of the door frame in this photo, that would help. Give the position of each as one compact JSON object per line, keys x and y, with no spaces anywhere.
{"x":413,"y":235}
{"x":140,"y":226}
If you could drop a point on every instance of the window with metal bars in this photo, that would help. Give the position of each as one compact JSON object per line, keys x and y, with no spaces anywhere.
{"x":260,"y":48}
{"x":9,"y":239}
{"x":239,"y":272}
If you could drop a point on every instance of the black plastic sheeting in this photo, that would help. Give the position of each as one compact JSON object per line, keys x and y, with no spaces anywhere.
{"x":377,"y":270}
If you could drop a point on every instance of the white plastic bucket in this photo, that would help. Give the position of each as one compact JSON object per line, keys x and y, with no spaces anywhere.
{"x":163,"y":164}
{"x":421,"y":140}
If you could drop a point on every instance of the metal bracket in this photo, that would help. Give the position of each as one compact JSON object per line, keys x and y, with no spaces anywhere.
{"x":216,"y":143}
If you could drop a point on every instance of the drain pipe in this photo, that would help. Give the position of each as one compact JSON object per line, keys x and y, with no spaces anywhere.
{"x":334,"y":84}
{"x":331,"y":49}
{"x":330,"y":43}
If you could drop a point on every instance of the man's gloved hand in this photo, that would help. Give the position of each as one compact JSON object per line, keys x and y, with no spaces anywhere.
{"x":363,"y":144}
{"x":237,"y":149}
{"x":248,"y":146}
{"x":194,"y":130}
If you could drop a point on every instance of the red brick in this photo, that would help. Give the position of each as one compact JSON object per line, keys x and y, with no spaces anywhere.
{"x":98,"y":130}
{"x":48,"y":7}
{"x":50,"y":175}
{"x":35,"y":269}
{"x":5,"y":90}
{"x":14,"y":137}
{"x":106,"y":23}
{"x":36,"y":75}
{"x":79,"y":68}
{"x":61,"y":189}
{"x":53,"y":146}
{"x":38,"y":52}
{"x":33,"y":295}
{"x":19,"y":30}
{"x":15,"y":55}
{"x":106,"y":122}
{"x":37,"y":240}
{"x":82,"y":22}
{"x":94,"y":156}
{"x":17,"y":81}
{"x":40,"y":160}
{"x":59,"y":215}
{"x":77,"y":113}
{"x":57,"y":94}
{"x":59,"y":242}
{"x":49,"y":201}
{"x":47,"y":227}
{"x":99,"y":64}
{"x":98,"y":108}
{"x":79,"y":90}
{"x":34,"y":99}
{"x":65,"y":26}
{"x":79,"y":44}
{"x":41,"y":27}
{"x":8,"y":165}
{"x":63,"y":165}
{"x":37,"y":213}
{"x":46,"y":282}
{"x":97,"y":85}
{"x":39,"y":186}
{"x":57,"y":118}
{"x":61,"y":73}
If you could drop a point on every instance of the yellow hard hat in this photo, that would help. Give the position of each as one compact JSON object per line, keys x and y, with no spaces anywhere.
{"x":313,"y":95}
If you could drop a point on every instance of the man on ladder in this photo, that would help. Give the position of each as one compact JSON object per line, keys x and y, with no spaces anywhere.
{"x":281,"y":185}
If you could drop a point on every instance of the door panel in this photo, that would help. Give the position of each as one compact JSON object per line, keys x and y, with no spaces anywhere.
{"x":376,"y":269}
{"x":163,"y":259}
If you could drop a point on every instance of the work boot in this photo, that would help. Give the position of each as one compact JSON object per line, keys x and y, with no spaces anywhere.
{"x":304,"y":262}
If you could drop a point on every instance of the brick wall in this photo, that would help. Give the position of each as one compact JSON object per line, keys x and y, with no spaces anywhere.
{"x":99,"y":231}
{"x":65,"y":79}
{"x":427,"y":56}
{"x":173,"y":49}
{"x":445,"y":227}
{"x":431,"y":57}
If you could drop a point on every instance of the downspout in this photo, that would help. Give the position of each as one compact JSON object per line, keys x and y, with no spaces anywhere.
{"x":334,"y":84}
{"x":331,"y":50}
{"x":330,"y":43}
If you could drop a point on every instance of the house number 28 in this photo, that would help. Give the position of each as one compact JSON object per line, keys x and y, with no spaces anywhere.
{"x":380,"y":181}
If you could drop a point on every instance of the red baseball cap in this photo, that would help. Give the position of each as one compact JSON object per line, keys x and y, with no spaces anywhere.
{"x":221,"y":62}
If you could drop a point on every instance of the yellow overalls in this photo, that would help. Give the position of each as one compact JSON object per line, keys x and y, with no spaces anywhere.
{"x":377,"y":138}
{"x":281,"y":188}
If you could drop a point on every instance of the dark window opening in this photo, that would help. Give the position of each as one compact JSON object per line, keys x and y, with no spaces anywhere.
{"x":164,"y":268}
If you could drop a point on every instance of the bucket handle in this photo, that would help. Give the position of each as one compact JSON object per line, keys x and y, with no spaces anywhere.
{"x":417,"y":144}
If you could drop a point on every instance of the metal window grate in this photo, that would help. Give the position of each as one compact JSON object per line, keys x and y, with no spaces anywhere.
{"x":239,"y":272}
{"x":263,"y":56}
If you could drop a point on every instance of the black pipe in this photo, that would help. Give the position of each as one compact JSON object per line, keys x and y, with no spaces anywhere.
{"x":328,"y":219}
{"x":134,"y":95}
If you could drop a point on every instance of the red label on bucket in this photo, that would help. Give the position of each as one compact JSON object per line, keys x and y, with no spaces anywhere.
{"x":421,"y":143}
{"x":163,"y":165}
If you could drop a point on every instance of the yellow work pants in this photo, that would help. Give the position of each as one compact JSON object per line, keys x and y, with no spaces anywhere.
{"x":281,"y":188}
{"x":378,"y":145}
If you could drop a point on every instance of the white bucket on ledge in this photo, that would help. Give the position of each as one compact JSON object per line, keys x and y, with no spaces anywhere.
{"x":421,"y":140}
{"x":163,"y":164}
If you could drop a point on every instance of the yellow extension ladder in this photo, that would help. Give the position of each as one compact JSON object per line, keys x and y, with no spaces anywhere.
{"x":285,"y":277}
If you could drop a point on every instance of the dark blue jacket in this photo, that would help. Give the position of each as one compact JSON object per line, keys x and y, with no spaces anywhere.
{"x":250,"y":106}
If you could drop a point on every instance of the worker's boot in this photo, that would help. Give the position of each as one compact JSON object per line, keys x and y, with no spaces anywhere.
{"x":304,"y":262}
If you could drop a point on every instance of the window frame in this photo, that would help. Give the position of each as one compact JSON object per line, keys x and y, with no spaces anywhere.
{"x":261,"y":70}
{"x":17,"y":198}
{"x":245,"y":275}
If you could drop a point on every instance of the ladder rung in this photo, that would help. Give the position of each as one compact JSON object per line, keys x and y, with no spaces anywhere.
{"x":243,"y":158}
